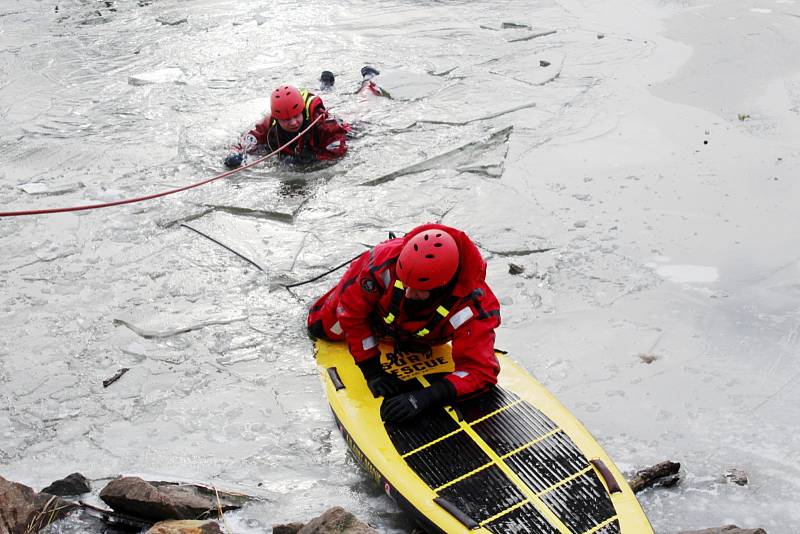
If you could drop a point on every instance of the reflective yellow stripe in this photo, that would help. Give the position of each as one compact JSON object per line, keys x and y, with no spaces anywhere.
{"x":430,"y":443}
{"x":564,"y":481}
{"x":442,"y":311}
{"x":602,"y":525}
{"x":305,"y":94}
{"x":395,"y":301}
{"x":423,"y":332}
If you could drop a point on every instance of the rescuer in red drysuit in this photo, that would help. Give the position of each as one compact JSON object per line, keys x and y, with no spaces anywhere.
{"x":291,"y":111}
{"x":428,"y":287}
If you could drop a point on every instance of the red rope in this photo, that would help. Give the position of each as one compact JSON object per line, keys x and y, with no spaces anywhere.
{"x":163,"y":193}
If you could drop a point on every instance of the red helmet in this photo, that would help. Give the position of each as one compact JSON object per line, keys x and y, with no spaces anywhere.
{"x":428,"y":260}
{"x":286,"y":102}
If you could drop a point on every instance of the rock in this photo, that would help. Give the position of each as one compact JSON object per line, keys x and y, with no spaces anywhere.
{"x":166,"y":500}
{"x":544,"y":63}
{"x":337,"y":521}
{"x":737,"y":476}
{"x":513,"y":268}
{"x":74,"y":484}
{"x":663,"y":474}
{"x":199,"y":499}
{"x":601,"y":36}
{"x":22,"y":510}
{"x":289,"y":528}
{"x":185,"y":527}
{"x":727,"y":529}
{"x":648,"y":358}
{"x":137,"y":497}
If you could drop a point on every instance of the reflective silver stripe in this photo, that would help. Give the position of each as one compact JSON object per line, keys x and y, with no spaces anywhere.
{"x":461,"y":374}
{"x":369,"y":343}
{"x":461,"y":317}
{"x":337,"y":328}
{"x":386,"y":277}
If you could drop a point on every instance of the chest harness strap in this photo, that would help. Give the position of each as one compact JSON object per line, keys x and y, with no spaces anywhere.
{"x":442,"y":311}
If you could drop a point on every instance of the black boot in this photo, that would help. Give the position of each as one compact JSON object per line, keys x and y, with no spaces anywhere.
{"x":326,"y":80}
{"x":368,"y":72}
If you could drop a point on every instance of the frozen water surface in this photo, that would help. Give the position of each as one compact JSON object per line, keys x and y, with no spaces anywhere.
{"x":650,"y":145}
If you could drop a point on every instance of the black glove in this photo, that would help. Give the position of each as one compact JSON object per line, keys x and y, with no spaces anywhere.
{"x":294,"y":160}
{"x":379,"y":382}
{"x":408,"y":405}
{"x":233,"y":160}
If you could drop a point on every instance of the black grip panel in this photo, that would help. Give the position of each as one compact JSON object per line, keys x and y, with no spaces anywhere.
{"x":453,"y":510}
{"x":605,"y":472}
{"x":334,"y":374}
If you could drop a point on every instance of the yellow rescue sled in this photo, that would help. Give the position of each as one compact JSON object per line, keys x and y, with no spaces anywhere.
{"x":509,"y":460}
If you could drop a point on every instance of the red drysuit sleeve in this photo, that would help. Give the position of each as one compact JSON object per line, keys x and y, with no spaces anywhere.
{"x":358,"y":298}
{"x":476,"y":365}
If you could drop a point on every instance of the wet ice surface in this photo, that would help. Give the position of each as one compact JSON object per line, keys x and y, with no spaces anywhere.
{"x":663,"y":246}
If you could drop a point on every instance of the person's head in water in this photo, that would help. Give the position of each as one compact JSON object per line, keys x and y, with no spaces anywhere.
{"x":427,"y":263}
{"x":287,"y":106}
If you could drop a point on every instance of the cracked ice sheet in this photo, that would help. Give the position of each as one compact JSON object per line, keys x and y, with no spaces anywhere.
{"x":512,"y":67}
{"x":271,"y":244}
{"x":471,"y":157}
{"x":483,"y":104}
{"x":529,"y":229}
{"x":409,"y":85}
{"x":270,"y":192}
{"x":53,"y":241}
